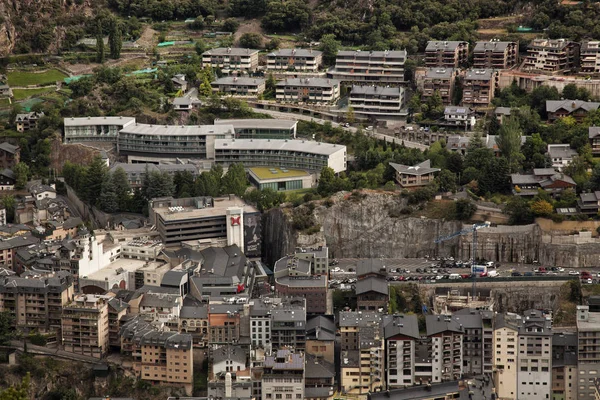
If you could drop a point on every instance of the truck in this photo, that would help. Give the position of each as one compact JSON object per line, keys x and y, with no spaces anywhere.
{"x":479,"y":269}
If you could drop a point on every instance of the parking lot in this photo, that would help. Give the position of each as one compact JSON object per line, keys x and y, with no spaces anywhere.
{"x":343,"y":273}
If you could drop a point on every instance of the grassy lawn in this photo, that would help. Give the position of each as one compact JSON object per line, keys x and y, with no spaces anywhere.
{"x":4,"y":103}
{"x":20,"y":94}
{"x":18,"y":78}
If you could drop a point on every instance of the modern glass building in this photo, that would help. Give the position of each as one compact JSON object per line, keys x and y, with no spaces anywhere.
{"x":261,"y":128}
{"x":95,"y":129}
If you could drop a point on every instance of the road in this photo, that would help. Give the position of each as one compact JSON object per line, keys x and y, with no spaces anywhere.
{"x":33,"y":349}
{"x":300,"y":117}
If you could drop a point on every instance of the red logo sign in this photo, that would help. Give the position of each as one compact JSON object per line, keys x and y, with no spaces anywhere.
{"x":236,"y":221}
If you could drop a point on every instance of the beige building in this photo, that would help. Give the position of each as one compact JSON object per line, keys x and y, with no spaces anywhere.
{"x":307,"y":90}
{"x":369,"y":66}
{"x":231,"y":59}
{"x":588,"y":331}
{"x":85,"y":328}
{"x":300,"y":60}
{"x":449,"y":54}
{"x":36,"y":303}
{"x":239,"y":86}
{"x":590,"y":57}
{"x":551,"y":55}
{"x":320,"y":338}
{"x":479,"y":87}
{"x":433,"y":80}
{"x":495,"y":54}
{"x":414,"y":176}
{"x":283,"y":376}
{"x":564,"y":366}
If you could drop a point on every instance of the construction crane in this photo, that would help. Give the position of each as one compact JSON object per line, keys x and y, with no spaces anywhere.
{"x":473,"y":229}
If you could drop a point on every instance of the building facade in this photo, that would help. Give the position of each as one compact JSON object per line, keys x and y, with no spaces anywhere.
{"x":440,"y":80}
{"x":300,"y":60}
{"x":84,"y":326}
{"x":231,"y":59}
{"x":238,"y":86}
{"x":551,"y":55}
{"x":377,"y":101}
{"x":449,"y":54}
{"x":589,"y":57}
{"x":307,"y":90}
{"x":479,"y":87}
{"x":414,"y":176}
{"x":495,"y":55}
{"x":95,"y":129}
{"x":261,"y":128}
{"x":369,"y":66}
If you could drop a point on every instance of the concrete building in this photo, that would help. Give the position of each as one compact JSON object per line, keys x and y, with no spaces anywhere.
{"x":145,"y":142}
{"x":295,"y":60}
{"x":224,"y":323}
{"x":561,"y":155}
{"x":440,"y":80}
{"x":307,"y":90}
{"x":372,"y":294}
{"x":551,"y":55}
{"x":577,"y":109}
{"x":230,"y":60}
{"x":369,"y":66}
{"x":283,"y":375}
{"x":414,"y":176}
{"x":319,"y":379}
{"x":449,"y":54}
{"x":478,"y":348}
{"x":84,"y":325}
{"x":197,"y":218}
{"x":95,"y":129}
{"x":186,"y":103}
{"x":495,"y":54}
{"x":445,"y":334}
{"x":588,"y":348}
{"x":10,"y":155}
{"x":288,"y":326}
{"x":289,"y":154}
{"x":318,"y":258}
{"x":479,"y":87}
{"x":7,"y":179}
{"x":313,"y":288}
{"x":136,"y":172}
{"x":594,"y":139}
{"x":320,"y":337}
{"x":377,"y":101}
{"x":27,"y":121}
{"x":36,"y":303}
{"x":459,"y":117}
{"x":280,"y":179}
{"x":401,"y":333}
{"x":261,"y":128}
{"x":589,"y":57}
{"x":564,"y":366}
{"x":238,"y":86}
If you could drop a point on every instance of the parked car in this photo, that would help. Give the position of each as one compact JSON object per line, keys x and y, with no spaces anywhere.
{"x":528,"y":274}
{"x":572,"y":272}
{"x":516,"y":274}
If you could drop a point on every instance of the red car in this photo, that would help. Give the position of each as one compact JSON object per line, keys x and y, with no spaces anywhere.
{"x":465,"y":276}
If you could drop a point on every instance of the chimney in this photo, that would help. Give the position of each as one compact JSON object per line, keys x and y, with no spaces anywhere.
{"x":228,"y":385}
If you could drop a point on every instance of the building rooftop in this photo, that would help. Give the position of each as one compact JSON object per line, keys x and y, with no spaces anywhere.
{"x":439,"y":73}
{"x":318,"y":368}
{"x":442,"y":390}
{"x":234,"y":80}
{"x":98,"y":121}
{"x":570,"y":105}
{"x":442,"y":323}
{"x":309,"y":82}
{"x":219,"y":207}
{"x":9,"y":148}
{"x":18,"y":241}
{"x":358,"y":318}
{"x":292,"y":263}
{"x":373,"y":54}
{"x":317,"y":281}
{"x":419,"y":169}
{"x":376,"y":90}
{"x":295,"y":53}
{"x":230,"y":353}
{"x":493,"y":46}
{"x":401,"y":324}
{"x":372,"y":284}
{"x":161,"y":300}
{"x":177,"y":130}
{"x":226,"y":261}
{"x":258,"y":123}
{"x":370,"y":266}
{"x":450,"y":45}
{"x":503,"y":111}
{"x":174,"y":278}
{"x":303,"y":146}
{"x":285,"y":360}
{"x":455,"y":110}
{"x":561,"y":151}
{"x":266,"y":173}
{"x":193,"y":312}
{"x":320,"y":328}
{"x":593,"y":131}
{"x":557,"y":44}
{"x":120,"y":265}
{"x":232,"y":51}
{"x":141,"y":168}
{"x":479,"y":74}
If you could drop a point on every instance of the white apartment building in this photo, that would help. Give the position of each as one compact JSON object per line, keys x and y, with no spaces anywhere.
{"x":590,"y":57}
{"x":283,"y":376}
{"x":377,"y":101}
{"x":239,"y":86}
{"x":231,"y":59}
{"x":302,"y":60}
{"x":369,"y":66}
{"x":308,"y":90}
{"x":95,"y":129}
{"x":401,"y":333}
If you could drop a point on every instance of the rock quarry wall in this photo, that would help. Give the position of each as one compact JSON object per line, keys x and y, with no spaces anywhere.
{"x":372,"y":225}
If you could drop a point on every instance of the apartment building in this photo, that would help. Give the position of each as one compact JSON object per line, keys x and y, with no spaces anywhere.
{"x":440,"y":80}
{"x":477,"y":340}
{"x":230,"y":59}
{"x":459,"y":116}
{"x":261,"y":128}
{"x":578,"y":109}
{"x":588,"y":351}
{"x":94,"y":129}
{"x":288,"y":326}
{"x":27,"y":121}
{"x":495,"y":54}
{"x":228,"y":375}
{"x":401,"y":333}
{"x":294,"y":60}
{"x":561,"y":155}
{"x":293,"y":278}
{"x":590,"y":57}
{"x":307,"y":90}
{"x":84,"y":324}
{"x":224,"y":323}
{"x":418,"y":175}
{"x":551,"y":55}
{"x":238,"y":86}
{"x":147,"y":142}
{"x":117,"y":309}
{"x":594,"y":139}
{"x":449,"y":54}
{"x":318,"y":258}
{"x":362,"y":352}
{"x":479,"y":87}
{"x":377,"y":101}
{"x":369,"y":66}
{"x":372,"y":294}
{"x":320,"y":338}
{"x":319,"y":379}
{"x":564,"y":366}
{"x":10,"y":155}
{"x":446,"y":340}
{"x":283,"y":376}
{"x":260,"y":323}
{"x":292,"y":154}
{"x":36,"y":303}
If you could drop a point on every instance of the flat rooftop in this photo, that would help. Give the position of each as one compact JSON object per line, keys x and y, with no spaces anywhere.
{"x":221,"y":204}
{"x":266,"y":173}
{"x":177,"y":130}
{"x":98,"y":121}
{"x":125,"y":264}
{"x":302,"y":146}
{"x":258,"y":123}
{"x":316,"y":281}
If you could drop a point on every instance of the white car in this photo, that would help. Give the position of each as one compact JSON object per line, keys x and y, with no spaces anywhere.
{"x":574,"y":273}
{"x":561,"y":269}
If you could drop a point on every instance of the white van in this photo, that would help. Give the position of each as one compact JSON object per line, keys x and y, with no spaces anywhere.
{"x":454,"y":276}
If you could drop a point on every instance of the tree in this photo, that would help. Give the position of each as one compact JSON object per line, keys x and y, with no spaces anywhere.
{"x":326,"y":179}
{"x":251,"y":40}
{"x":495,"y":177}
{"x":465,"y":209}
{"x":21,"y":171}
{"x":122,"y":188}
{"x":541,"y":208}
{"x":518,"y":211}
{"x":231,"y":25}
{"x":115,"y":38}
{"x":10,"y":205}
{"x":209,"y":182}
{"x":509,"y":143}
{"x":157,"y":184}
{"x":273,"y":44}
{"x":235,"y":180}
{"x":18,"y":392}
{"x":184,"y":184}
{"x":99,"y":42}
{"x":330,"y":47}
{"x":270,"y":87}
{"x":108,"y":200}
{"x":265,"y":199}
{"x":200,"y":47}
{"x":350,"y":116}
{"x":446,"y":181}
{"x":95,"y":177}
{"x":7,"y":332}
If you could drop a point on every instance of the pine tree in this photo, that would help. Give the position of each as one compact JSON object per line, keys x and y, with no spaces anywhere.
{"x":235,"y":180}
{"x":122,"y":188}
{"x":99,"y":42}
{"x":509,"y":143}
{"x":96,"y":173}
{"x":108,"y":200}
{"x":115,"y":39}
